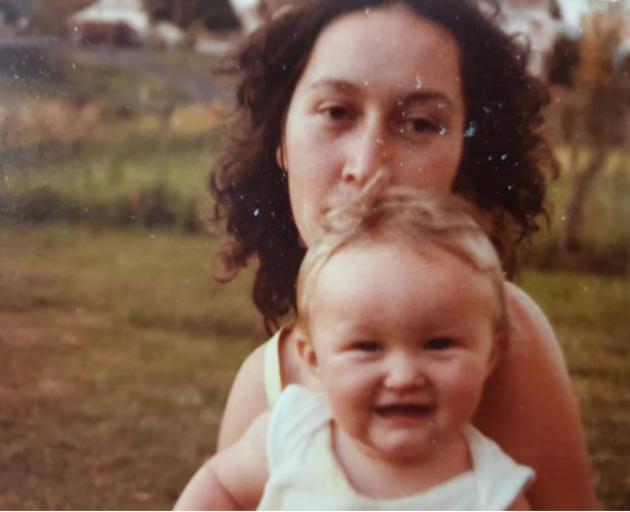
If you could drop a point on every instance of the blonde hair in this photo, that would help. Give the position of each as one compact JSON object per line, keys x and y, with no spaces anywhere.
{"x":421,"y":220}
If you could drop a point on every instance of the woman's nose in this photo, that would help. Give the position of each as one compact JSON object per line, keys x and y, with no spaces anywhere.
{"x":369,"y":151}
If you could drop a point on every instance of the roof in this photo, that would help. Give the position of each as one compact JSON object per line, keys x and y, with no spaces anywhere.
{"x":528,"y":4}
{"x":130,"y":12}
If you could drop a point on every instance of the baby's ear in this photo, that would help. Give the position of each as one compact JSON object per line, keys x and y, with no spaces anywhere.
{"x":501,"y":341}
{"x":306,"y":351}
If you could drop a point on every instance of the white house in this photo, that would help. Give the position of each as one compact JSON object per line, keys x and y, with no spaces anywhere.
{"x":249,"y":13}
{"x":119,"y":22}
{"x":532,"y":23}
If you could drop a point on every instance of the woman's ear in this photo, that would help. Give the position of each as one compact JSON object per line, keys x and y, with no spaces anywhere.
{"x":307,"y":353}
{"x":280,"y":157}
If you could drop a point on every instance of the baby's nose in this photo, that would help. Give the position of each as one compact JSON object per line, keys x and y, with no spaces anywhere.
{"x":404,"y":373}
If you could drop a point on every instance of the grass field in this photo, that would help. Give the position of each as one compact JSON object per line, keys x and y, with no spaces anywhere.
{"x":118,"y":350}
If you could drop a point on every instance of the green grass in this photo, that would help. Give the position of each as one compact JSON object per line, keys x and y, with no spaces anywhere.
{"x":590,"y":316}
{"x":191,"y":61}
{"x":607,"y":207}
{"x":119,"y":350}
{"x":125,"y":164}
{"x":119,"y":180}
{"x":150,"y":279}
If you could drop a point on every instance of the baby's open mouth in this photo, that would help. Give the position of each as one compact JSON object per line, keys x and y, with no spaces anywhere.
{"x":407,"y":410}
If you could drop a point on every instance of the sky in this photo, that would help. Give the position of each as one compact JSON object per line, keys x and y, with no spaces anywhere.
{"x":572,"y":9}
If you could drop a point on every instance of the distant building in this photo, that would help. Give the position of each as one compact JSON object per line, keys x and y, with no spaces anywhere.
{"x":167,"y":36}
{"x":8,"y":14}
{"x":250,"y":13}
{"x":115,"y":22}
{"x":534,"y":25}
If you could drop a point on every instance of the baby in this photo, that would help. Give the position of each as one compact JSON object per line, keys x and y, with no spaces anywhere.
{"x":402,"y":318}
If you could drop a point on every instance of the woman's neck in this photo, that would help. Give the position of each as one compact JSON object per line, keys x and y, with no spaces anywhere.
{"x":381,"y":478}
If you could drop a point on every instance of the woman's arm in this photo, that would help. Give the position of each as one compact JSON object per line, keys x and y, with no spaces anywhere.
{"x":235,"y":478}
{"x":247,"y":400}
{"x":520,"y":503}
{"x":529,"y":409}
{"x":206,"y":492}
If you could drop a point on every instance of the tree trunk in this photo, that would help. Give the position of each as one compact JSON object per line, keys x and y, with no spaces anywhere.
{"x":574,"y":212}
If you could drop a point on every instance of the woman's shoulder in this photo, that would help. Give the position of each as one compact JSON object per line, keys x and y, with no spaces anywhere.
{"x":528,"y":322}
{"x":530,"y":410}
{"x":533,"y":349}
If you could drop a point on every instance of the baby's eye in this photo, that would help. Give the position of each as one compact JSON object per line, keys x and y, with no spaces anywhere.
{"x":440,"y":344}
{"x":367,"y":346}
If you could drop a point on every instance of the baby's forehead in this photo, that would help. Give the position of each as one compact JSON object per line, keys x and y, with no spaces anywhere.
{"x":373,"y":266}
{"x":391,"y":251}
{"x":376,"y":260}
{"x":378,"y":286}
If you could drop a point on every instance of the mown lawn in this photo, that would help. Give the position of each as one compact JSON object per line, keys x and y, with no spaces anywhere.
{"x":118,"y":350}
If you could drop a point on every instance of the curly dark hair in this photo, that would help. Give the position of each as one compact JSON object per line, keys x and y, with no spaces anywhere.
{"x":502,"y":164}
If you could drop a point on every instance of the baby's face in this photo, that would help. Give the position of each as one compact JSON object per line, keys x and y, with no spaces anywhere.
{"x":404,"y":343}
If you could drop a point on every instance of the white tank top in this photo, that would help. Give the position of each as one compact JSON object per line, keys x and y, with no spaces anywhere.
{"x":304,"y":473}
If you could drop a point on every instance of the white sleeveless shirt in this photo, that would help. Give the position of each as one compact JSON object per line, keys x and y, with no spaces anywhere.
{"x":304,"y":473}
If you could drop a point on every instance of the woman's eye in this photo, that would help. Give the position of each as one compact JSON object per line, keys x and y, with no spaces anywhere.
{"x":337,"y":113}
{"x":418,"y":126}
{"x":367,"y":346}
{"x":440,"y":344}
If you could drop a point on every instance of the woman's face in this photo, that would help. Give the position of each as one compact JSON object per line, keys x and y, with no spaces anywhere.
{"x":382,"y":89}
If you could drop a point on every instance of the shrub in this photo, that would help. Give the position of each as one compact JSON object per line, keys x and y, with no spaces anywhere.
{"x":43,"y":204}
{"x":157,"y":206}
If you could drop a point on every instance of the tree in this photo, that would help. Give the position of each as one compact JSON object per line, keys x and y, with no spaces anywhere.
{"x":596,"y":120}
{"x":8,"y":14}
{"x":563,"y":62}
{"x":555,"y":10}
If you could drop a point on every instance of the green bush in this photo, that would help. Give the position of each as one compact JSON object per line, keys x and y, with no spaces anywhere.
{"x":153,"y":207}
{"x":611,"y":258}
{"x":43,"y":204}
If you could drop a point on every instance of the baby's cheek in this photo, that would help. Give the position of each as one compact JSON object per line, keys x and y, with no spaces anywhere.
{"x":463,"y":389}
{"x":351,"y":396}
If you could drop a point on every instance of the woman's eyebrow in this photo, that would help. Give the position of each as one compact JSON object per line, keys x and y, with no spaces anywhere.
{"x":340,"y":85}
{"x":423,"y":97}
{"x":418,"y":97}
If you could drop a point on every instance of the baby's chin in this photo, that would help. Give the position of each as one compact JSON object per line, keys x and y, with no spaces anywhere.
{"x":411,"y":446}
{"x":405,"y":453}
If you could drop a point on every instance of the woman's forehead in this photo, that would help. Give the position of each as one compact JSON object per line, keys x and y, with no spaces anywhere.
{"x":387,"y":48}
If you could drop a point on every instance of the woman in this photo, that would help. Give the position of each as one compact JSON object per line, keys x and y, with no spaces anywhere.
{"x":330,"y":92}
